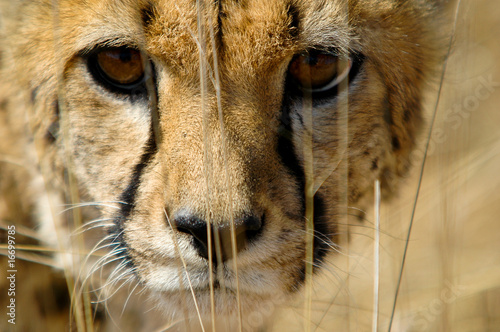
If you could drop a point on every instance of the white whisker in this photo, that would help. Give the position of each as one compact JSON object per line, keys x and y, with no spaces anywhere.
{"x":91,"y":204}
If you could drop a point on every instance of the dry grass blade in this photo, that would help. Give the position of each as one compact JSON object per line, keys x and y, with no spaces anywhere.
{"x":376,"y":255}
{"x":187,"y":275}
{"x":422,"y":167}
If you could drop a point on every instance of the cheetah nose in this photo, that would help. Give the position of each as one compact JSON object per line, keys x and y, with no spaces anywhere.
{"x":246,"y":230}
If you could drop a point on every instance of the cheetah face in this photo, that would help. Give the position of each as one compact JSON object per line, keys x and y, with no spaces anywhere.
{"x":233,"y":136}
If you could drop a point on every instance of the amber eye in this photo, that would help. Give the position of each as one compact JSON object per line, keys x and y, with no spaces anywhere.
{"x":120,"y":69}
{"x":122,"y":65}
{"x":318,"y":72}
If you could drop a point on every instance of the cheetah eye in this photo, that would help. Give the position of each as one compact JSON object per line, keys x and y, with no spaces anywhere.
{"x":318,"y":72}
{"x":120,"y":69}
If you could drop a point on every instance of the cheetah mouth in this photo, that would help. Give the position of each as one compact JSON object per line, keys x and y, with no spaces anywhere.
{"x":178,"y":280}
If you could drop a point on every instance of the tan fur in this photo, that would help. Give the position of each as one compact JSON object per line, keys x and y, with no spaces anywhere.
{"x":69,"y":132}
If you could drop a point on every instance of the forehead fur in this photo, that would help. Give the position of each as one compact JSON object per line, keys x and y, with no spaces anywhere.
{"x":253,"y":33}
{"x":173,"y":31}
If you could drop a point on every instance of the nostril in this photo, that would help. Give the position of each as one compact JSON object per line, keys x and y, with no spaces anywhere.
{"x":189,"y":224}
{"x":252,"y":223}
{"x":247,"y":229}
{"x":252,"y":226}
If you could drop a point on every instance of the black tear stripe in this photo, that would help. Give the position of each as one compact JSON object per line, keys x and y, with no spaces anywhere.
{"x":128,"y":198}
{"x":128,"y":195}
{"x":288,"y":155}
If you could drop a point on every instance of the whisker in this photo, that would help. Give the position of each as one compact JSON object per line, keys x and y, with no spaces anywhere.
{"x":85,"y":227}
{"x":124,"y":282}
{"x":93,"y":204}
{"x":128,"y":298}
{"x":99,"y":265}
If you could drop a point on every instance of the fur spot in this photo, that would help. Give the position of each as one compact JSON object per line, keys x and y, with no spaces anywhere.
{"x":147,"y":15}
{"x":293,"y":13}
{"x":33,"y":94}
{"x":395,"y":144}
{"x":407,"y":115}
{"x":53,"y":130}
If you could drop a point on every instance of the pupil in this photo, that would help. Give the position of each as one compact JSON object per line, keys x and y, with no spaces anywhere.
{"x":125,"y":56}
{"x":312,"y":60}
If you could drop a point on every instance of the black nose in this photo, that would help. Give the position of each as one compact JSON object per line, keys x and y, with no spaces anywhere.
{"x":246,"y":230}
